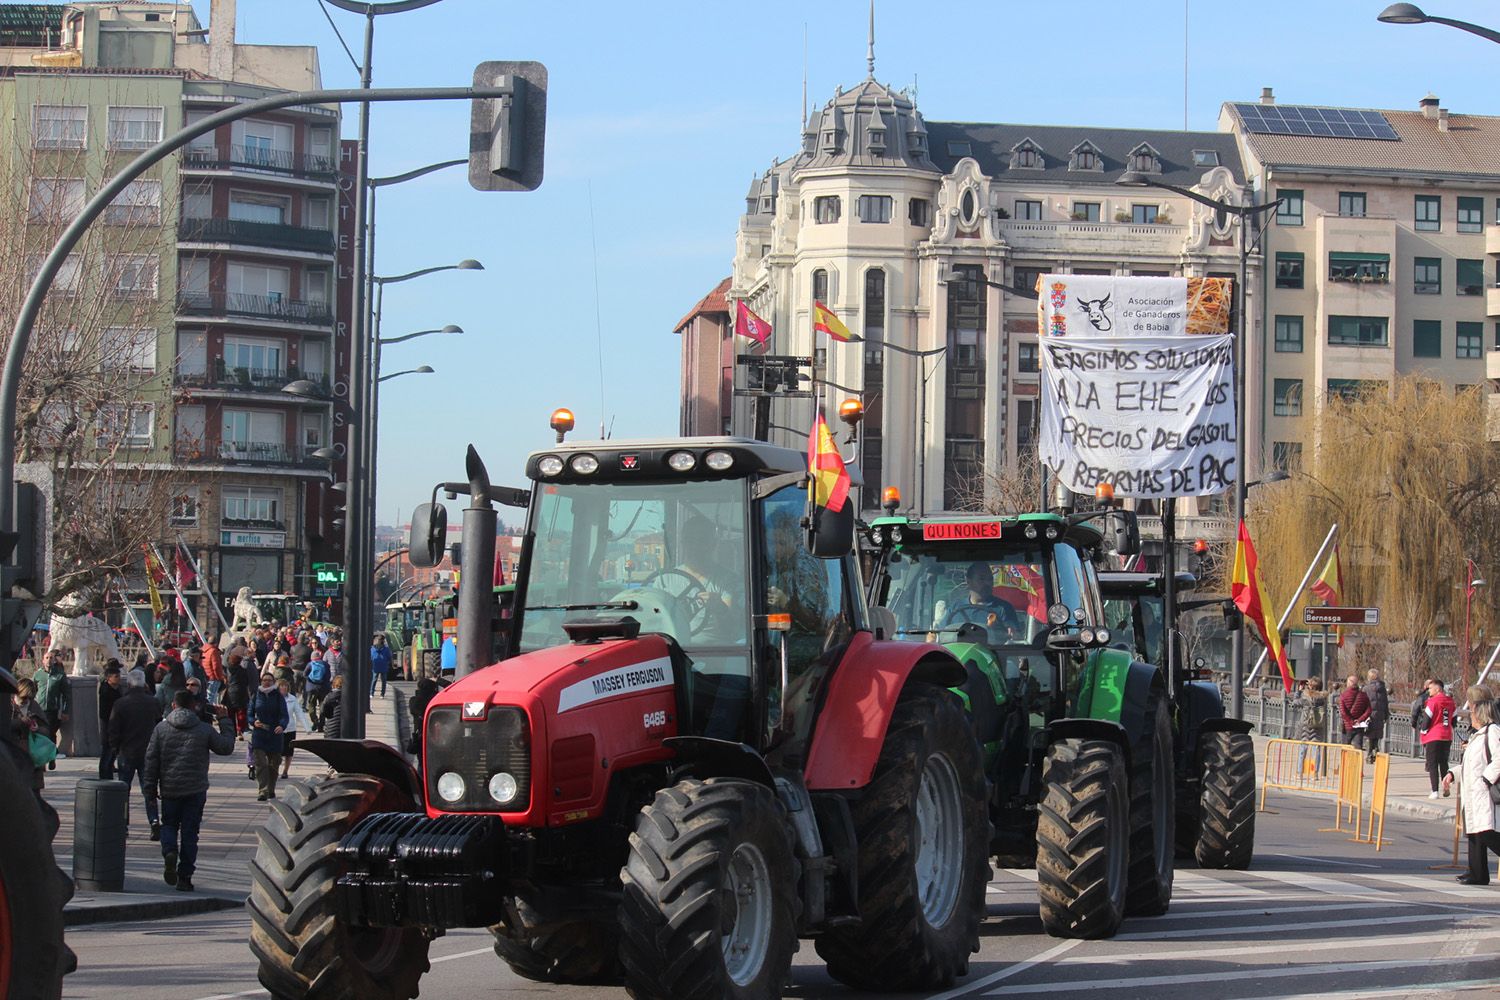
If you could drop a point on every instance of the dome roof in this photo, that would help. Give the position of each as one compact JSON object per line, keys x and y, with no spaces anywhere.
{"x":868,"y":126}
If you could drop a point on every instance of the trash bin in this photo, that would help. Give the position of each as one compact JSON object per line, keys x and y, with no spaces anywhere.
{"x":99,"y":835}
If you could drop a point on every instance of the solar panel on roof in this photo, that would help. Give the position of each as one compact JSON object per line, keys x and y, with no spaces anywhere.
{"x":1288,"y":119}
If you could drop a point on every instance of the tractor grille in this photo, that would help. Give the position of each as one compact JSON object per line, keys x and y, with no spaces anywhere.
{"x":477,"y":750}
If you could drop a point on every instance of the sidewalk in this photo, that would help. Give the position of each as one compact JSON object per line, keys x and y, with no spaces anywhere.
{"x":226,"y":845}
{"x":1406,"y":793}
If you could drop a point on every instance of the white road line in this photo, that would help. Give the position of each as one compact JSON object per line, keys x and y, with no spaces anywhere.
{"x":1029,"y":874}
{"x":1277,"y":947}
{"x":1317,"y":883}
{"x":1436,"y":884}
{"x":1192,"y":881}
{"x":1416,"y":989}
{"x":435,"y":961}
{"x":1309,"y":926}
{"x":1320,"y":861}
{"x":1280,"y":972}
{"x":1010,"y":970}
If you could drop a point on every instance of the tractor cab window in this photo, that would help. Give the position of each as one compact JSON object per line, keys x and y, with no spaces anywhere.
{"x":1136,"y":625}
{"x":669,"y":555}
{"x":934,"y":593}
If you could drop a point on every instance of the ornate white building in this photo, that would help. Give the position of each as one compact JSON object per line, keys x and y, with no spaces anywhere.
{"x":926,"y":239}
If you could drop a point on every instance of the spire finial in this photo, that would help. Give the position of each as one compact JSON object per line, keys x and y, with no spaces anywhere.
{"x":870,"y":51}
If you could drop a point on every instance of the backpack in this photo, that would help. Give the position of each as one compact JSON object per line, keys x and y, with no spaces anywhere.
{"x":317,"y":671}
{"x":1419,"y":719}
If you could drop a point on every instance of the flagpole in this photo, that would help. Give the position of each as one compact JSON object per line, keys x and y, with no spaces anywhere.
{"x":213,"y":599}
{"x":1287,"y":614}
{"x":181,"y":600}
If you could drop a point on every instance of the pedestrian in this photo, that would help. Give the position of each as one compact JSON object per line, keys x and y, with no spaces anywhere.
{"x":1354,"y":711}
{"x":236,"y":692}
{"x":1437,"y":732}
{"x":109,"y":693}
{"x":328,"y":724}
{"x":380,"y":663}
{"x":335,"y":658}
{"x":54,"y":696}
{"x":130,"y":726}
{"x":192,"y":664}
{"x":28,"y":720}
{"x":273,"y":655}
{"x":1478,"y":774}
{"x":170,"y":679}
{"x":1314,"y":727}
{"x":213,"y":669}
{"x":200,"y":701}
{"x":300,"y":652}
{"x":268,"y":720}
{"x":1380,"y":711}
{"x":177,"y":770}
{"x":297,"y":721}
{"x":319,"y":683}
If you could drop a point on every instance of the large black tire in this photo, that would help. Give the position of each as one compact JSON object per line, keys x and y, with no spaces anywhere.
{"x":1226,"y":837}
{"x":578,"y":952}
{"x":924,"y":836}
{"x":1083,"y":839}
{"x":33,"y":890}
{"x":305,"y":953}
{"x":1153,"y":815}
{"x":709,"y":909}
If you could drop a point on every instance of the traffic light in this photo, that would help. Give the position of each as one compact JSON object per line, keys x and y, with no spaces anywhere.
{"x":507,"y":133}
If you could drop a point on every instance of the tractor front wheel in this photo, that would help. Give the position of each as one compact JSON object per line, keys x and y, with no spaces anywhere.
{"x":924,"y":837}
{"x":1153,"y":814}
{"x":305,"y":953}
{"x":1083,"y":839}
{"x":709,"y":905}
{"x":33,"y":890}
{"x":1226,"y":807}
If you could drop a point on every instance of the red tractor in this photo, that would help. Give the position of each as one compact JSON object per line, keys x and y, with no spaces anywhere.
{"x":674,"y":777}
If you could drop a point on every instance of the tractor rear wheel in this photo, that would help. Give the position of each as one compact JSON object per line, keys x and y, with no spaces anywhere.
{"x":924,"y":835}
{"x":1226,"y":837}
{"x":304,"y":951}
{"x":1083,"y":839}
{"x":577,"y":952}
{"x":710,"y":905}
{"x":33,"y":890}
{"x":1153,"y":815}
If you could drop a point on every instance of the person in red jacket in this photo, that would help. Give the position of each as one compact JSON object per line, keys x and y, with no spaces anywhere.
{"x":213,"y":669}
{"x":1354,"y":710}
{"x":1437,"y":732}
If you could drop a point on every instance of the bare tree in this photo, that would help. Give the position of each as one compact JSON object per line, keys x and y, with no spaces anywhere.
{"x":1013,"y":488}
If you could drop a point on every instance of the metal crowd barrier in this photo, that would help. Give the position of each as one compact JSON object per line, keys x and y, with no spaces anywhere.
{"x":1303,"y":766}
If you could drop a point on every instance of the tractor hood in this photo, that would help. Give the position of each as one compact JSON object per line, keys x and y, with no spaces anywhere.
{"x":568,"y":677}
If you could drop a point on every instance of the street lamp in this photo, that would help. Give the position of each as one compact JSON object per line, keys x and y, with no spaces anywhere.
{"x":420,"y":370}
{"x":1244,"y":213}
{"x":1410,"y":13}
{"x":1472,"y":583}
{"x":450,"y":328}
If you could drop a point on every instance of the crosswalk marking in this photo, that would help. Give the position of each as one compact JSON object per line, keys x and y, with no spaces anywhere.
{"x":1196,"y":882}
{"x":1307,"y":926}
{"x":1029,"y":874}
{"x":1438,"y":885}
{"x":1318,"y":883}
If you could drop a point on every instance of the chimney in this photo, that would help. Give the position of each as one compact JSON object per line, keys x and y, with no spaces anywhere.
{"x":221,"y":39}
{"x":1429,"y":105}
{"x":1442,"y":119}
{"x":1266,"y":97}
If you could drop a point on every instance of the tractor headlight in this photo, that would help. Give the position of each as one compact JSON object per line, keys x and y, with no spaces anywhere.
{"x":450,"y":786}
{"x":1086,"y":635}
{"x":585,"y":464}
{"x":549,"y":465}
{"x":1102,"y":636}
{"x":719,"y":461}
{"x":1030,"y":531}
{"x":503,"y":788}
{"x":681,"y":461}
{"x":1052,"y":532}
{"x":897,"y":534}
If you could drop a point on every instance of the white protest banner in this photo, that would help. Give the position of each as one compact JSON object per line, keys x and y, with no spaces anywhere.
{"x":1130,"y":397}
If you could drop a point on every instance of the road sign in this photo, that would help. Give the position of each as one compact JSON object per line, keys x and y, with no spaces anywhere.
{"x":507,"y":133}
{"x":1341,"y":616}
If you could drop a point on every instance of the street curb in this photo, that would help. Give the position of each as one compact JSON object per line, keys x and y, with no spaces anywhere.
{"x":1402,"y":807}
{"x":147,"y":909}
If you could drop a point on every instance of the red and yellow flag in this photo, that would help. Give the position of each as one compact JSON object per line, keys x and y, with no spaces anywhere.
{"x":1329,"y":586}
{"x":154,"y":573}
{"x":824,"y":321}
{"x":830,"y":480}
{"x":1249,"y":593}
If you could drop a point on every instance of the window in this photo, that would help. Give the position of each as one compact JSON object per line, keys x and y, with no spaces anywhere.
{"x":875,"y":208}
{"x":55,"y":199}
{"x":1352,"y":203}
{"x":251,"y":504}
{"x":134,"y":128}
{"x":1471,"y":215}
{"x":1031,"y":210}
{"x":1429,"y":213}
{"x":1427,"y":275}
{"x":1288,"y":334}
{"x":320,"y":146}
{"x":312,"y":431}
{"x":1143,"y":214}
{"x":820,"y":286}
{"x":1085,"y":157}
{"x":1470,"y":277}
{"x":1359,"y":331}
{"x":67,"y":281}
{"x":1286,"y":455}
{"x":1289,"y":212}
{"x":133,"y":276}
{"x":253,"y":285}
{"x":133,"y":348}
{"x":1288,"y":269}
{"x":264,"y":144}
{"x":1352,"y":388}
{"x":919,"y":212}
{"x":1288,"y":397}
{"x":182,"y":511}
{"x":138,"y":205}
{"x":1027,"y":156}
{"x":1025,"y":279}
{"x":244,"y":207}
{"x":319,"y":214}
{"x":1470,"y":341}
{"x":1426,"y":338}
{"x":257,"y":435}
{"x":254,"y":355}
{"x":1359,"y":267}
{"x":1028,"y":358}
{"x":198,"y":202}
{"x":874,"y":329}
{"x":58,"y":126}
{"x":1086,"y":211}
{"x":959,"y":147}
{"x":315,"y":285}
{"x":1205,"y":158}
{"x":129,"y":427}
{"x":1143,"y":159}
{"x":826,"y":208}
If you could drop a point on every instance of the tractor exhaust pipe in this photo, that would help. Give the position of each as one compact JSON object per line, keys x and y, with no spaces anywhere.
{"x":476,"y":582}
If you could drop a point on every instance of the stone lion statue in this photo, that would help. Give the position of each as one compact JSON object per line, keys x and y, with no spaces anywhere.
{"x":91,"y":640}
{"x":246,"y":613}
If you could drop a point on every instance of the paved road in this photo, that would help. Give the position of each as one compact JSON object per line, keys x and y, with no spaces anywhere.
{"x":1315,"y":917}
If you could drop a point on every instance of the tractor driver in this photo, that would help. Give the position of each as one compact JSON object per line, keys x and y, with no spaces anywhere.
{"x":982,"y":607}
{"x":697,"y":581}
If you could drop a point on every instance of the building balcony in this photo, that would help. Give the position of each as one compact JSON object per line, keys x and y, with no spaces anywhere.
{"x":1492,"y":301}
{"x":264,"y":307}
{"x":223,"y":378}
{"x":1492,"y":239}
{"x":255,"y":234}
{"x":1492,"y":364}
{"x":240,"y":453}
{"x":1192,"y":526}
{"x":255,"y":159}
{"x":1122,"y":239}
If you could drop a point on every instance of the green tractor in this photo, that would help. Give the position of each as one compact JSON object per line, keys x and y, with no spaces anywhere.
{"x":1078,"y":734}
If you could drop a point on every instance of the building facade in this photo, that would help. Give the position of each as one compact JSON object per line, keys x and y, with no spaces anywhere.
{"x":708,"y":351}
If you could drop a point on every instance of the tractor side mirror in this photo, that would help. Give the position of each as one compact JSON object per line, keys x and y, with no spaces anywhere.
{"x":830,"y":533}
{"x":1127,"y":532}
{"x":429,"y":531}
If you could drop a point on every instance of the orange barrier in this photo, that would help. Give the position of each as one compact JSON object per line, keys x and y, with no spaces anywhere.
{"x":1301,"y":766}
{"x":1378,"y":782}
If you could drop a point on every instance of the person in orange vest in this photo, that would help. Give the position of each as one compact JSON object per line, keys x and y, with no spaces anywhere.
{"x":213,"y":669}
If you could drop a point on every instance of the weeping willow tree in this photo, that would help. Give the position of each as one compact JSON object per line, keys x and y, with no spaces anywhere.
{"x":1410,"y":479}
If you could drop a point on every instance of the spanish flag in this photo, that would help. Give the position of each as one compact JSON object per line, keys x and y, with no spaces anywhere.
{"x":1249,"y":593}
{"x":154,"y":572}
{"x":1329,"y":586}
{"x":825,"y":321}
{"x":830,"y":480}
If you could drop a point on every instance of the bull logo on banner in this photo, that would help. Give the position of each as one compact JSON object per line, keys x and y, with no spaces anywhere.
{"x":1098,"y":313}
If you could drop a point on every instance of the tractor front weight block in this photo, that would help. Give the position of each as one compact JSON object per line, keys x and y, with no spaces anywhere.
{"x":406,"y":870}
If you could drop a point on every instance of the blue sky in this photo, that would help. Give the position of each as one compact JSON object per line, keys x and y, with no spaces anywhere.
{"x":662,"y":111}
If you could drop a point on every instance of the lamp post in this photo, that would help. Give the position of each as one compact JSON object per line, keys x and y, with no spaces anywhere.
{"x":419,"y":370}
{"x":1244,"y":213}
{"x":1471,"y":583}
{"x":1410,"y":13}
